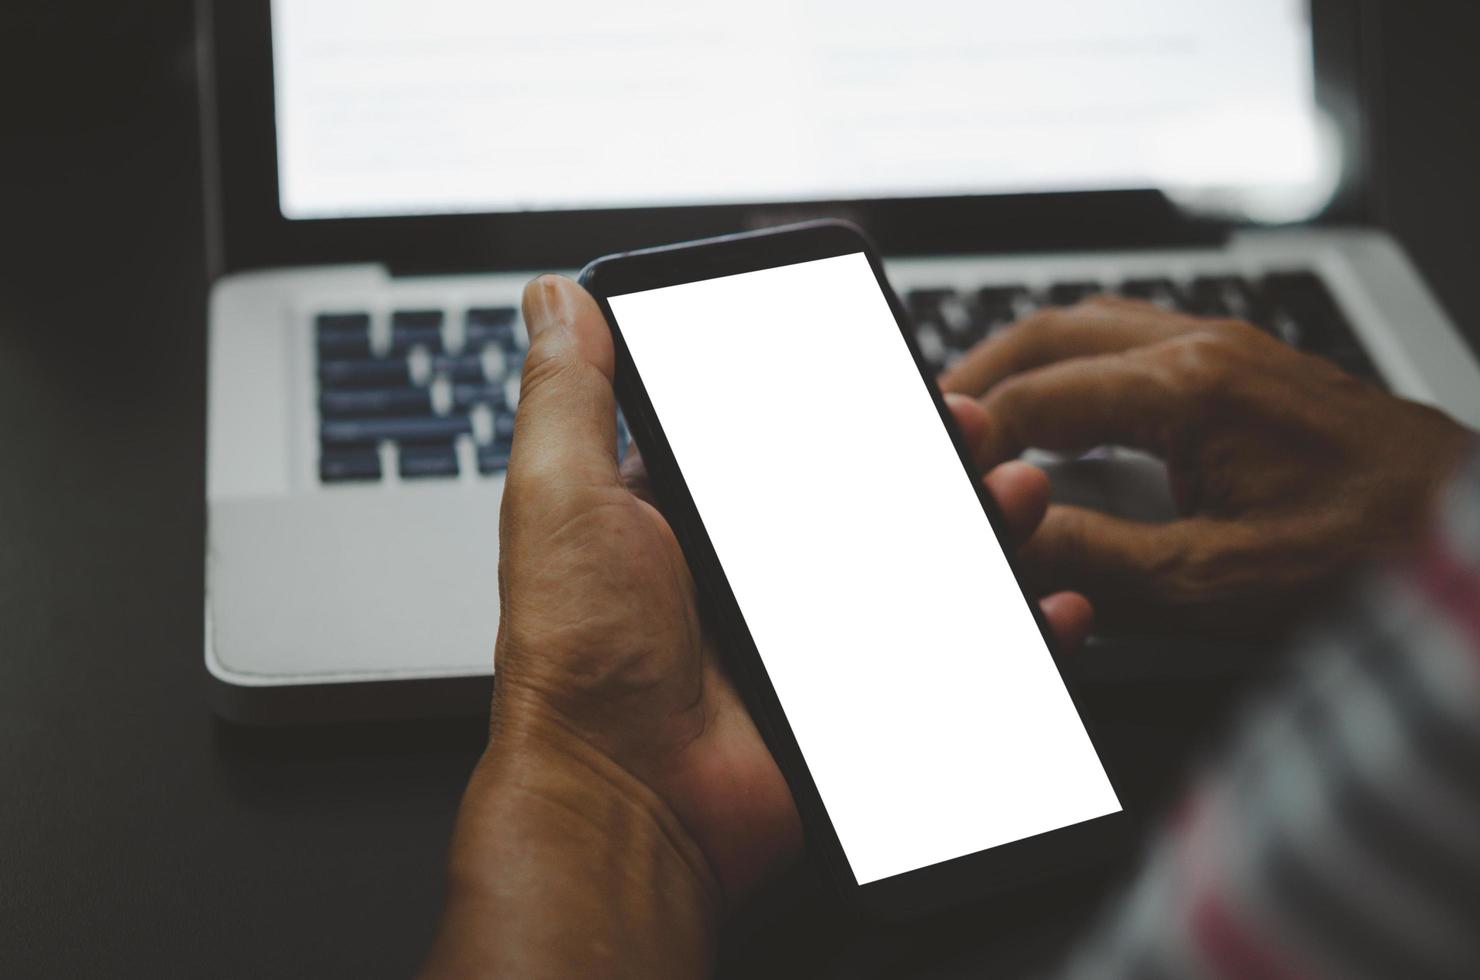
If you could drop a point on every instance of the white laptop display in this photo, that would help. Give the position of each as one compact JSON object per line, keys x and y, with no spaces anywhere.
{"x":385,"y":176}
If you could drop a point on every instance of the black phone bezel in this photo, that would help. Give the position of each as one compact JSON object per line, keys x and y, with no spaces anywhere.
{"x":913,"y":893}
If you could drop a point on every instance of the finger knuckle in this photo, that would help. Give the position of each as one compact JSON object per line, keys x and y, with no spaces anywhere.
{"x":1099,"y":301}
{"x":542,"y":368}
{"x":534,"y":471}
{"x":1043,"y":319}
{"x":1005,"y":403}
{"x":1240,"y":333}
{"x":1202,"y":365}
{"x":1200,"y":571}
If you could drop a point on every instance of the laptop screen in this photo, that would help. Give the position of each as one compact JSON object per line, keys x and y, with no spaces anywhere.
{"x":389,"y":108}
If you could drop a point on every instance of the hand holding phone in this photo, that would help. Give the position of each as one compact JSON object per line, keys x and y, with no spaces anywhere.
{"x":876,"y":627}
{"x":581,"y":706}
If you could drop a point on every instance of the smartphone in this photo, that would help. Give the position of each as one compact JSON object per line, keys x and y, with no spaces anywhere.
{"x":851,"y":564}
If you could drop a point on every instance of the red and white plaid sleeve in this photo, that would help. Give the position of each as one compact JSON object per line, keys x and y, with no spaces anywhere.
{"x":1340,"y":834}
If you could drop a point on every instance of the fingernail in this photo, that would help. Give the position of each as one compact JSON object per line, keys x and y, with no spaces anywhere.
{"x":957,"y":400}
{"x":547,"y":303}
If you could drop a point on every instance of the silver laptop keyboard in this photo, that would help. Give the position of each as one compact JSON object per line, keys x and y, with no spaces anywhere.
{"x":418,"y":394}
{"x":1295,"y":306}
{"x":424,"y":398}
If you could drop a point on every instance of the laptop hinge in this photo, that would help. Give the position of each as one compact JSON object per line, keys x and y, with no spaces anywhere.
{"x":1088,"y":221}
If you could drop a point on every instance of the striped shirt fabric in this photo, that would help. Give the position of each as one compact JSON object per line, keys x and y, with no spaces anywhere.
{"x":1339,"y":835}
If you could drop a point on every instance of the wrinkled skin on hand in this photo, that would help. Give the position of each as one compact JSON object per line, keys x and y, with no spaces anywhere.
{"x":625,"y":798}
{"x":600,"y":635}
{"x":1288,"y":472}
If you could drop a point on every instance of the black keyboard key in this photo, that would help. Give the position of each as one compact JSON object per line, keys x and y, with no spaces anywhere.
{"x":1161,"y":291}
{"x":976,"y":331}
{"x":513,"y":363}
{"x":944,"y":311}
{"x":353,"y":402}
{"x":333,"y":322}
{"x":1206,"y":296}
{"x":416,"y":319}
{"x":404,"y":339}
{"x":490,"y":325}
{"x":1227,"y":296}
{"x":493,"y":459}
{"x":1354,"y":361}
{"x":460,"y":368}
{"x":376,"y":373}
{"x":416,"y":328}
{"x":923,"y":304}
{"x":428,"y":461}
{"x":343,"y":335}
{"x":981,"y":328}
{"x":1069,"y":293}
{"x":962,"y":329}
{"x":341,"y":465}
{"x":1318,"y":323}
{"x":433,"y":428}
{"x":465,"y":397}
{"x":1001,"y":305}
{"x":932,"y":344}
{"x":503,"y":427}
{"x":1308,"y":317}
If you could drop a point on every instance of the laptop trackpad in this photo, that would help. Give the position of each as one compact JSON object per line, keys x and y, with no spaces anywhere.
{"x":356,"y":584}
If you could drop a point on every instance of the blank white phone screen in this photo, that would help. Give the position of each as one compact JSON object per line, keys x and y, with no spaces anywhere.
{"x":922,"y":695}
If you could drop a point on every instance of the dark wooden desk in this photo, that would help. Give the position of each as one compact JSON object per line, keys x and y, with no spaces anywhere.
{"x":140,"y":837}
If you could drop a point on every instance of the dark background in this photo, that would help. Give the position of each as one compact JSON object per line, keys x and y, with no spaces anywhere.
{"x":137,"y":835}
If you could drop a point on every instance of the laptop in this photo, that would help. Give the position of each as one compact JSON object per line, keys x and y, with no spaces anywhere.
{"x":383,"y":178}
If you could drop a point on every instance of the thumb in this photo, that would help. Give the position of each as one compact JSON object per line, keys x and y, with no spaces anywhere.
{"x":565,"y":430}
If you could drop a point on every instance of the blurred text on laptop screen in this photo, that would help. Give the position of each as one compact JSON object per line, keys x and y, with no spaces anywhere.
{"x":454,"y":106}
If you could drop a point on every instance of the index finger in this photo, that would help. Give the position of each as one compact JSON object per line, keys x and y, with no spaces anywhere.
{"x":1119,"y":399}
{"x":1104,"y":325}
